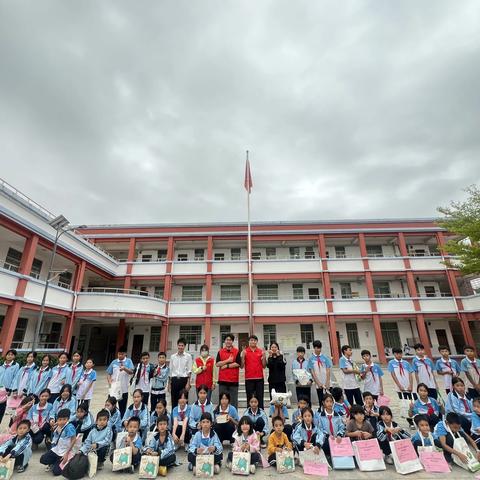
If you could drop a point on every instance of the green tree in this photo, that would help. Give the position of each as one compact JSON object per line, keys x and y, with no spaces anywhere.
{"x":463,"y":219}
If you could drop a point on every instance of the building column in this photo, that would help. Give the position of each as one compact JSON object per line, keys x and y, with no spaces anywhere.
{"x":68,"y":331}
{"x":121,"y":333}
{"x":379,"y":338}
{"x":164,"y":337}
{"x":332,"y":328}
{"x":423,"y":334}
{"x":167,"y":294}
{"x":131,"y":257}
{"x":207,"y":331}
{"x":467,"y":333}
{"x":208,"y":292}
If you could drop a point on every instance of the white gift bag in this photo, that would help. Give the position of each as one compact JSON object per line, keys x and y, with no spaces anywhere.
{"x":241,"y":463}
{"x":6,"y":469}
{"x":92,"y":464}
{"x":404,"y":456}
{"x":148,"y":466}
{"x":368,"y":455}
{"x":204,"y":466}
{"x":285,"y":461}
{"x":122,"y":458}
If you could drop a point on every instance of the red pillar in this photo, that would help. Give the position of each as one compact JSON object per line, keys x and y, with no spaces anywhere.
{"x":131,"y":257}
{"x":167,"y":294}
{"x":379,"y":339}
{"x":423,"y":334}
{"x":164,"y":337}
{"x":121,"y":333}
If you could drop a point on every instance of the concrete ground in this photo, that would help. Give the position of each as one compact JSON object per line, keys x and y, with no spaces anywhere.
{"x":36,"y":471}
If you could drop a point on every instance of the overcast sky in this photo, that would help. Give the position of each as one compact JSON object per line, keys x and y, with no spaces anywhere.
{"x":141,"y":112}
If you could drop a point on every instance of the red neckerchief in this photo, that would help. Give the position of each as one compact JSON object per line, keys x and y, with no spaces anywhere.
{"x":426,"y":367}
{"x":400,"y":366}
{"x":330,"y":421}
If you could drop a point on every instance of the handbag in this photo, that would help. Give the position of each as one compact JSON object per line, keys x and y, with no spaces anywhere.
{"x":472,"y":465}
{"x":115,"y":389}
{"x":122,"y":458}
{"x":148,"y":466}
{"x":341,"y":462}
{"x":404,"y":457}
{"x":119,"y":440}
{"x":241,"y":463}
{"x":404,"y":408}
{"x":6,"y":469}
{"x":285,"y":461}
{"x":92,"y":464}
{"x":204,"y":466}
{"x":368,"y":455}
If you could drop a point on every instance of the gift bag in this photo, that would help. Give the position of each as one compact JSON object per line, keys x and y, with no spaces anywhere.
{"x":92,"y":464}
{"x":302,"y":376}
{"x":204,"y":466}
{"x":404,"y":407}
{"x":122,"y":458}
{"x":472,"y":465}
{"x":368,"y":455}
{"x":119,"y":442}
{"x":6,"y":469}
{"x":149,"y":438}
{"x":383,"y":401}
{"x":115,"y":389}
{"x":285,"y":461}
{"x":241,"y":463}
{"x":341,"y":453}
{"x":309,"y":457}
{"x":433,"y":461}
{"x":148,"y":466}
{"x":404,"y":457}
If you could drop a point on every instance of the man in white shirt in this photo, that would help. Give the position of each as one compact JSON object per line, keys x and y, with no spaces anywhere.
{"x":180,"y":372}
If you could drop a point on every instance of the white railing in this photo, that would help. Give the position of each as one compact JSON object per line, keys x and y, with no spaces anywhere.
{"x":11,"y":266}
{"x":123,"y":291}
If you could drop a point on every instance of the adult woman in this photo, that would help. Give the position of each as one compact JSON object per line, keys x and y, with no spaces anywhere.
{"x":276,"y":369}
{"x":204,"y":369}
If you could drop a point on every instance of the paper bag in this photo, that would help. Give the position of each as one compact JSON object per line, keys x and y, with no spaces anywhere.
{"x":148,"y":466}
{"x":404,"y":457}
{"x":119,"y":442}
{"x":368,"y":455}
{"x":204,"y":466}
{"x":285,"y":461}
{"x":342,"y":454}
{"x":241,"y":463}
{"x":6,"y":469}
{"x":149,"y":438}
{"x":122,"y":458}
{"x":14,"y":402}
{"x":433,"y":462}
{"x":472,"y":465}
{"x":92,"y":464}
{"x":302,"y":376}
{"x":115,"y":389}
{"x":404,"y":407}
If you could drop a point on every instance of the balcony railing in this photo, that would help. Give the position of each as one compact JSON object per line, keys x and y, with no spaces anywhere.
{"x":11,"y":266}
{"x":123,"y":291}
{"x":391,"y":295}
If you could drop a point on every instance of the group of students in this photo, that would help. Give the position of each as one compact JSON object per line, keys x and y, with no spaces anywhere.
{"x":54,"y":408}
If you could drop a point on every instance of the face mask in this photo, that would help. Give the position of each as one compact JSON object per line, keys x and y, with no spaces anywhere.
{"x":204,"y":354}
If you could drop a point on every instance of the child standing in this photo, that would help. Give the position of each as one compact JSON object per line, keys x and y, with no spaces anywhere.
{"x":301,"y":364}
{"x":162,"y":445}
{"x":277,"y":441}
{"x":447,"y":367}
{"x":60,"y":376}
{"x":142,"y":376}
{"x":387,"y":431}
{"x":76,"y":370}
{"x":99,"y":438}
{"x":23,"y":376}
{"x":372,"y":375}
{"x":40,"y":377}
{"x":423,"y":437}
{"x":350,"y":370}
{"x":471,"y":366}
{"x":246,"y":440}
{"x":159,"y":381}
{"x":8,"y":372}
{"x":320,"y":367}
{"x":18,"y":447}
{"x":424,"y":370}
{"x":85,"y":382}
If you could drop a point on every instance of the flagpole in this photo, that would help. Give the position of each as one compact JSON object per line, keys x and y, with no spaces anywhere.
{"x":249,"y":253}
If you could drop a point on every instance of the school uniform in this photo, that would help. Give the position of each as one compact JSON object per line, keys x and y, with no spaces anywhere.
{"x":372,"y":379}
{"x":369,"y":415}
{"x":302,"y":390}
{"x":475,"y":428}
{"x":21,"y":382}
{"x":318,"y":365}
{"x":60,"y":404}
{"x":19,"y":449}
{"x":442,"y":430}
{"x":60,"y":376}
{"x":461,"y":405}
{"x":153,"y":421}
{"x":39,"y":417}
{"x":76,"y":370}
{"x":136,"y":457}
{"x":102,"y":437}
{"x":302,"y":434}
{"x":430,"y":408}
{"x":199,"y":440}
{"x":331,"y":425}
{"x":297,"y":417}
{"x":342,"y":409}
{"x":8,"y":372}
{"x":259,"y":419}
{"x":39,"y":380}
{"x":180,"y":415}
{"x":425,"y":368}
{"x":384,"y":438}
{"x":142,"y":414}
{"x":253,"y":442}
{"x":158,"y":384}
{"x":123,"y":377}
{"x":402,"y":370}
{"x":419,"y":440}
{"x":85,"y":385}
{"x":450,"y":366}
{"x":83,"y":425}
{"x":472,"y":367}
{"x":288,"y":429}
{"x":61,"y":442}
{"x":350,"y":383}
{"x":226,"y":430}
{"x":141,"y":379}
{"x":196,"y":411}
{"x":115,"y":421}
{"x":165,"y":449}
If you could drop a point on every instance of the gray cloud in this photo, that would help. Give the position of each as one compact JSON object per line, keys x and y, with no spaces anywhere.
{"x":122,"y":112}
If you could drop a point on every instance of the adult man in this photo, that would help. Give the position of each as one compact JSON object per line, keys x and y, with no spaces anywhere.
{"x":254,"y":361}
{"x":180,"y":371}
{"x":120,"y":370}
{"x":228,"y":363}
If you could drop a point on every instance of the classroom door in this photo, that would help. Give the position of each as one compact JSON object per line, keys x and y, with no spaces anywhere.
{"x":242,"y":340}
{"x":137,"y":348}
{"x":442,"y":338}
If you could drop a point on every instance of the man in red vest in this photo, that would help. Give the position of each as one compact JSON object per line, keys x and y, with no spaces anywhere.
{"x":205,"y":371}
{"x":228,"y":363}
{"x":254,"y":361}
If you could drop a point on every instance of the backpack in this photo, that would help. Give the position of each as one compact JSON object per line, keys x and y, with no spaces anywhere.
{"x":76,"y":468}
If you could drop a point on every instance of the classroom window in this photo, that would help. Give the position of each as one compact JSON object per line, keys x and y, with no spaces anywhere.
{"x":192,"y":334}
{"x":155,"y":334}
{"x":192,"y":293}
{"x":224,"y":331}
{"x":159,"y":291}
{"x":309,"y":253}
{"x":297,"y":291}
{"x":12,"y":260}
{"x":271,"y":253}
{"x":230,"y":292}
{"x":147,"y":257}
{"x":219,"y":257}
{"x":294,"y":253}
{"x":306,"y":334}
{"x":256,"y":255}
{"x":390,"y":335}
{"x":352,"y":335}
{"x":340,"y":252}
{"x":182,"y":257}
{"x":65,"y":279}
{"x":267,"y":292}
{"x":199,"y":254}
{"x":161,"y":255}
{"x":374,"y":251}
{"x":235,"y":253}
{"x":269,"y":335}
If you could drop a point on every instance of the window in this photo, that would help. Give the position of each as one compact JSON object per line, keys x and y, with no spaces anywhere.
{"x":55,"y":332}
{"x":430,"y":291}
{"x":147,"y":257}
{"x":159,"y":292}
{"x":192,"y":293}
{"x":382,"y":289}
{"x":294,"y":252}
{"x":36,"y":268}
{"x":390,"y":335}
{"x":13,"y":259}
{"x":155,"y":334}
{"x":269,"y":335}
{"x":182,"y":257}
{"x":346,"y":289}
{"x":162,"y":255}
{"x":306,"y":334}
{"x":256,"y":255}
{"x":271,"y":253}
{"x":219,"y":257}
{"x":65,"y":279}
{"x":224,"y":331}
{"x":309,"y":253}
{"x":230,"y":292}
{"x":19,"y":335}
{"x":332,"y":292}
{"x":374,"y":251}
{"x":235,"y":253}
{"x":340,"y":252}
{"x":143,"y":291}
{"x":313,"y":293}
{"x":192,"y":334}
{"x":352,"y":335}
{"x":297,"y":291}
{"x":199,"y":254}
{"x":267,"y":292}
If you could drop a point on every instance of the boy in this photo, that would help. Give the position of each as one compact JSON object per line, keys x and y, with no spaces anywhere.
{"x":277,"y":441}
{"x":424,"y":370}
{"x":120,"y":370}
{"x":349,"y":369}
{"x":64,"y":437}
{"x":301,"y":364}
{"x":447,"y":367}
{"x":159,"y":382}
{"x":99,"y":438}
{"x":370,"y":409}
{"x":319,"y":367}
{"x":134,"y":440}
{"x":162,"y":445}
{"x":471,"y":366}
{"x":372,"y":375}
{"x":143,"y":375}
{"x":341,"y":406}
{"x":423,"y":436}
{"x":475,"y":428}
{"x":18,"y":447}
{"x":8,"y":372}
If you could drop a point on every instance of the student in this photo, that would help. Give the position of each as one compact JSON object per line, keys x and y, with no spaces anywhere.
{"x":160,"y":410}
{"x":198,"y":408}
{"x":38,"y":416}
{"x":40,"y":377}
{"x":424,"y":370}
{"x":204,"y":441}
{"x":180,"y":371}
{"x":459,"y":403}
{"x":254,"y":362}
{"x":447,"y":367}
{"x":18,"y":447}
{"x":372,"y":375}
{"x":115,"y":419}
{"x":329,"y":422}
{"x":471,"y":366}
{"x":21,"y":383}
{"x":370,"y":409}
{"x":228,"y":364}
{"x":64,"y":437}
{"x":276,"y":363}
{"x":475,"y":428}
{"x":277,"y":441}
{"x":341,"y":405}
{"x":134,"y":440}
{"x":120,"y":370}
{"x":259,"y":419}
{"x":60,"y":376}
{"x":246,"y":440}
{"x":320,"y":367}
{"x":387,"y":431}
{"x":224,"y":410}
{"x":162,"y":445}
{"x":358,"y":427}
{"x":99,"y":438}
{"x":8,"y":372}
{"x":85,"y":383}
{"x":159,"y":382}
{"x":76,"y":370}
{"x":180,"y":414}
{"x":423,"y":436}
{"x":350,"y":370}
{"x":205,"y":371}
{"x":63,"y":401}
{"x":279,"y":410}
{"x":445,"y":433}
{"x":425,"y":405}
{"x":306,"y":435}
{"x":300,"y":363}
{"x":143,"y":376}
{"x":21,"y":413}
{"x":138,"y":410}
{"x":297,"y":414}
{"x":82,"y":420}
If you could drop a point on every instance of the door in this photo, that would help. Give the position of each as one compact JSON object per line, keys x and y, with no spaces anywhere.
{"x":457,"y":336}
{"x":442,"y":338}
{"x":242,"y":340}
{"x":137,"y":348}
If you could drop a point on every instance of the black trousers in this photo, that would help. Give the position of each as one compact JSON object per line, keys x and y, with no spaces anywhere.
{"x":3,"y":407}
{"x":177,"y":384}
{"x":432,"y":392}
{"x":354,"y":395}
{"x":472,"y":393}
{"x":122,"y":403}
{"x":232,"y":389}
{"x":256,"y":387}
{"x":52,"y":459}
{"x":278,"y":386}
{"x":320,"y":395}
{"x":53,"y":397}
{"x":102,"y":453}
{"x":192,"y":458}
{"x":167,"y":461}
{"x":224,"y":431}
{"x":38,"y":437}
{"x":18,"y":459}
{"x":188,"y":434}
{"x":303,"y":391}
{"x":258,"y":426}
{"x":154,"y":399}
{"x":255,"y":458}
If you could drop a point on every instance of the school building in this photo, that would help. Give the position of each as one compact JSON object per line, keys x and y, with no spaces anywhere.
{"x":373,"y":284}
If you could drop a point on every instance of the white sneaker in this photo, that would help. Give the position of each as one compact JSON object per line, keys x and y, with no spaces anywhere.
{"x":216,"y":469}
{"x":388,"y":460}
{"x":252,"y":469}
{"x":47,"y":468}
{"x":228,"y":464}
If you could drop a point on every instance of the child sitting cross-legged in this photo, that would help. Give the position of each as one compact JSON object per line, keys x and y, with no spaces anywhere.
{"x":425,"y":405}
{"x":358,"y":427}
{"x":162,"y":445}
{"x":99,"y":438}
{"x":18,"y":447}
{"x":180,"y":414}
{"x":306,"y":435}
{"x":246,"y":440}
{"x":82,"y":420}
{"x":423,"y":437}
{"x":387,"y":431}
{"x":132,"y":439}
{"x":277,"y":441}
{"x":205,"y":441}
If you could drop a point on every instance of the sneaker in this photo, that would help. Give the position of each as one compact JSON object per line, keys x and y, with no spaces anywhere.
{"x":216,"y":469}
{"x":22,"y":468}
{"x":194,"y":470}
{"x":388,"y":460}
{"x":162,"y":470}
{"x":228,"y":464}
{"x":190,"y":467}
{"x":47,"y":468}
{"x":252,"y":468}
{"x":100,"y":466}
{"x":263,"y":444}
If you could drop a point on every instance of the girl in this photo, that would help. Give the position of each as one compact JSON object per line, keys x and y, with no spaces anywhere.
{"x":259,"y":419}
{"x":115,"y":420}
{"x":358,"y":427}
{"x":60,"y":375}
{"x":226,"y":418}
{"x":201,"y":406}
{"x":425,"y":405}
{"x":276,"y":369}
{"x":82,"y":420}
{"x":246,"y":440}
{"x":302,"y":402}
{"x":162,"y":445}
{"x":8,"y":372}
{"x":341,"y":406}
{"x":306,"y":435}
{"x":370,"y":409}
{"x":180,"y":414}
{"x":85,"y":383}
{"x":329,"y":422}
{"x":76,"y":370}
{"x":22,"y":379}
{"x":388,"y":430}
{"x":159,"y":381}
{"x":40,"y":378}
{"x":423,"y":437}
{"x":458,"y":402}
{"x":64,"y":401}
{"x":277,"y":441}
{"x":38,"y":416}
{"x":137,"y":409}
{"x":160,"y":409}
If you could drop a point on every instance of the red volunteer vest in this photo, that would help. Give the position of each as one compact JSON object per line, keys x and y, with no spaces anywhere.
{"x":229,"y":375}
{"x":206,"y":377}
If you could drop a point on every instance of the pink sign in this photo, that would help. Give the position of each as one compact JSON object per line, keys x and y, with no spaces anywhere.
{"x":405,"y":451}
{"x":312,"y":468}
{"x":342,"y":449}
{"x":434,"y":462}
{"x":383,"y":400}
{"x":368,"y":450}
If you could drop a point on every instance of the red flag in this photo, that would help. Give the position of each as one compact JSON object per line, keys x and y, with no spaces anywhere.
{"x":248,"y":177}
